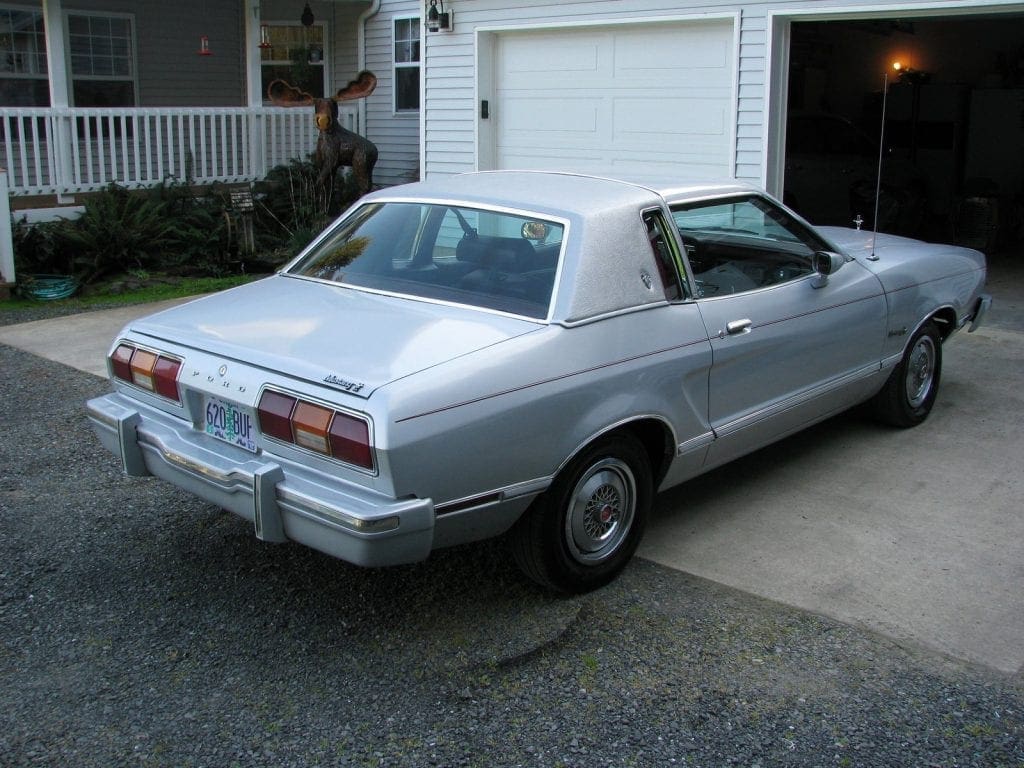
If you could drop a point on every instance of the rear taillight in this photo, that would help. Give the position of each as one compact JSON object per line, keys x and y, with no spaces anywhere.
{"x":315,"y":427}
{"x":147,"y":370}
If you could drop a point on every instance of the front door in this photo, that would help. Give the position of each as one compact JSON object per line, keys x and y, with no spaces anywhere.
{"x":789,"y":346}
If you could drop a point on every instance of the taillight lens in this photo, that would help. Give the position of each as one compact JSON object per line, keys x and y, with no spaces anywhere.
{"x":121,"y":362}
{"x":147,"y":370}
{"x":350,"y":440}
{"x":318,"y":428}
{"x":275,"y":415}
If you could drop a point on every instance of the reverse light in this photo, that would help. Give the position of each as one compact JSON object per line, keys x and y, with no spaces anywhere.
{"x":147,"y":370}
{"x":315,"y":427}
{"x":310,"y":423}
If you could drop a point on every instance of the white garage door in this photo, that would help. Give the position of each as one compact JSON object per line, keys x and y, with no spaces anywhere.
{"x":635,"y":100}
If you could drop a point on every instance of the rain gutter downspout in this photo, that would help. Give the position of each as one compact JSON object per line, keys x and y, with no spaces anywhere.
{"x":364,"y":17}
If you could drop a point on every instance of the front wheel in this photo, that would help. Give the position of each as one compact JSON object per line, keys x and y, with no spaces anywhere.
{"x":583,"y":530}
{"x":909,"y":393}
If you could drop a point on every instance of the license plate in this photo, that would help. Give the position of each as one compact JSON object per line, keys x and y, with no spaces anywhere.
{"x":227,"y":422}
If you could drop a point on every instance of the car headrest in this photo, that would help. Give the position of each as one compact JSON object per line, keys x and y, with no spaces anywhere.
{"x":507,"y":254}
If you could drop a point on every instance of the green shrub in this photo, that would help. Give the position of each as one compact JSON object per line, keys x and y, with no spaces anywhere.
{"x":292,"y":208}
{"x":39,"y":249}
{"x":119,"y":231}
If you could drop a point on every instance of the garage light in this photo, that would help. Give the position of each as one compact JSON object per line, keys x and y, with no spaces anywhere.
{"x":439,"y":21}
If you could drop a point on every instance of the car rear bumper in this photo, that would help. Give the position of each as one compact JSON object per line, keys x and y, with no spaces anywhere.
{"x":283,"y":500}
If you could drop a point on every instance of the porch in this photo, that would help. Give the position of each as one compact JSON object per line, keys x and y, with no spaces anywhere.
{"x":69,"y":151}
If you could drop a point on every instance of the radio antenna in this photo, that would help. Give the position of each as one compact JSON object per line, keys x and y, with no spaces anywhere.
{"x":878,"y":178}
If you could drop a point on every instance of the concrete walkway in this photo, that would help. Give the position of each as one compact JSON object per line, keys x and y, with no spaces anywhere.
{"x":917,"y":534}
{"x":81,"y":341}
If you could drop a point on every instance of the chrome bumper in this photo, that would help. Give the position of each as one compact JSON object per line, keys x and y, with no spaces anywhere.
{"x":283,"y":500}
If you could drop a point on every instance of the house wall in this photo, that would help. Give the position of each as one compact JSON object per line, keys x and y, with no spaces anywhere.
{"x":450,"y":63}
{"x":397,"y":135}
{"x":167,"y":39}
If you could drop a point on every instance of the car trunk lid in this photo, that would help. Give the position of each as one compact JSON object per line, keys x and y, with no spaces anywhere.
{"x":348,"y":339}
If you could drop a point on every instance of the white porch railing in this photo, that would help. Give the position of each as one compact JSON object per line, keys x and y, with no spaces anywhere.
{"x":65,"y":151}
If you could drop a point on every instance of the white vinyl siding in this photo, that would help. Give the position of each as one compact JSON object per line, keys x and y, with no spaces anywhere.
{"x":397,"y":135}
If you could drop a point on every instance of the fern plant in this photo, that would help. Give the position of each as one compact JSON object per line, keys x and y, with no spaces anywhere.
{"x":120,"y":231}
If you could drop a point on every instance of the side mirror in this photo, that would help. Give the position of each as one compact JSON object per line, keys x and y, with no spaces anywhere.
{"x":824,"y":263}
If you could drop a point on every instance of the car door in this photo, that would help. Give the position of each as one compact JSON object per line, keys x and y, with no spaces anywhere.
{"x":789,"y":346}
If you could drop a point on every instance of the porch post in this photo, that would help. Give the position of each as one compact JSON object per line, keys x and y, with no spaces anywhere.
{"x":6,"y":239}
{"x":57,"y":63}
{"x":254,"y":91}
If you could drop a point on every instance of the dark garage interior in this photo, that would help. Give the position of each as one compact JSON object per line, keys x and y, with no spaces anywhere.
{"x":953,"y":160}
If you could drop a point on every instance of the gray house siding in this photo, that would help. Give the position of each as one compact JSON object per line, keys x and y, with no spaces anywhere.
{"x":170,"y":74}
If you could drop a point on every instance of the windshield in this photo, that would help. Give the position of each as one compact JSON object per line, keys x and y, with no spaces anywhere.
{"x":482,"y":258}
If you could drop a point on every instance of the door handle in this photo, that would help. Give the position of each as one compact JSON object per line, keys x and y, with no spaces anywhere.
{"x":738,"y":326}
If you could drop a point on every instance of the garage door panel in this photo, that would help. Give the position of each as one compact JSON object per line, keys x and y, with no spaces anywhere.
{"x":673,"y":51}
{"x":550,"y":114}
{"x":630,"y":98}
{"x":676,"y":118}
{"x":530,"y":61}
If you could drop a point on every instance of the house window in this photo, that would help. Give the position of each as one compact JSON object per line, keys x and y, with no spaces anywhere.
{"x":102,"y":51}
{"x":295,"y":55}
{"x":407,"y":65}
{"x":23,"y":72}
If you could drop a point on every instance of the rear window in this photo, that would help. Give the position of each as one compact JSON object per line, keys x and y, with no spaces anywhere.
{"x":482,"y":258}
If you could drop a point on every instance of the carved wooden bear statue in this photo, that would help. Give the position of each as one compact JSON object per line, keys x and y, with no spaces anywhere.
{"x":336,"y":146}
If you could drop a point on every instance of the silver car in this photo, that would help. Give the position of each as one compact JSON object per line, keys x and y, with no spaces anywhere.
{"x":525,"y":352}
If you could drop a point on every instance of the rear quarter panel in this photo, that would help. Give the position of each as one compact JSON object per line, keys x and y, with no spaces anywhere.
{"x":516,"y":412}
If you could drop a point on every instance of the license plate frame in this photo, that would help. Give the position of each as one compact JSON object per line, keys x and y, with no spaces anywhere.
{"x":229,"y":422}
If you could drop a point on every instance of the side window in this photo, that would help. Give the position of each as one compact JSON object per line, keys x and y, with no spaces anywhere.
{"x":743,"y":244}
{"x":407,"y":64}
{"x":664,"y":256}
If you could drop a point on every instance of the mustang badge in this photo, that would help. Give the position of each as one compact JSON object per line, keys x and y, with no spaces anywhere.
{"x":348,"y":386}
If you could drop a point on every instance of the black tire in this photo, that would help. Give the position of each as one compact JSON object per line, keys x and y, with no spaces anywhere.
{"x":583,"y":530}
{"x":909,"y":393}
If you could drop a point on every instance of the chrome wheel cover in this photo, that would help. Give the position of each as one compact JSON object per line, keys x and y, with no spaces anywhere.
{"x":920,"y":371}
{"x":601,"y":511}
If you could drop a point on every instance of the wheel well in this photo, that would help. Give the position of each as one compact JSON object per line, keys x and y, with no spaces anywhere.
{"x":656,"y":438}
{"x":945,"y":320}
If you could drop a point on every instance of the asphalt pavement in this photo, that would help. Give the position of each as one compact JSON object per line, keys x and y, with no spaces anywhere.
{"x":916,"y":534}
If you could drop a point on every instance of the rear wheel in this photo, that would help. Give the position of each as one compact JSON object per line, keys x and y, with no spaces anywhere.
{"x":908,"y":395}
{"x":583,"y":530}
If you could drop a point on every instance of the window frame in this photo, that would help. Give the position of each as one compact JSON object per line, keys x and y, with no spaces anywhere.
{"x":133,"y":62}
{"x":805,"y":237}
{"x":416,"y":26}
{"x":675,"y":266}
{"x":324,"y":63}
{"x":42,"y":74}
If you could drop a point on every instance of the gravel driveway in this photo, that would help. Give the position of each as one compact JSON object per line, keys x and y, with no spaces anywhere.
{"x":139,"y":626}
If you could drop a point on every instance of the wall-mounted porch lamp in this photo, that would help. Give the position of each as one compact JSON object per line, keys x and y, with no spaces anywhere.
{"x":204,"y":46}
{"x":265,"y":37}
{"x":439,"y":21}
{"x":307,"y":17}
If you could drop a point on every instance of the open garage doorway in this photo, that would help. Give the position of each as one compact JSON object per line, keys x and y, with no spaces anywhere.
{"x":953,"y":159}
